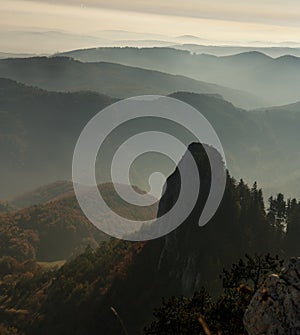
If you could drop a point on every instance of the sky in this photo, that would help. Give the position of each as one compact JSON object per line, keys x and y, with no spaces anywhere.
{"x":25,"y":25}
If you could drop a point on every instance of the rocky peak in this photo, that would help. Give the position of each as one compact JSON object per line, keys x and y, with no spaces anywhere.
{"x":275,"y":307}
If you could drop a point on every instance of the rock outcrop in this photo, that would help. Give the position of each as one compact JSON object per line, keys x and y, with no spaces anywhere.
{"x":275,"y":307}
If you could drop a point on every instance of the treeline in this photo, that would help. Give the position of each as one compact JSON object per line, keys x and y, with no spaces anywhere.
{"x":276,"y":225}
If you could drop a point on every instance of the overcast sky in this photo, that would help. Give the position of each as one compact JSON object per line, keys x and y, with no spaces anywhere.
{"x":218,"y":20}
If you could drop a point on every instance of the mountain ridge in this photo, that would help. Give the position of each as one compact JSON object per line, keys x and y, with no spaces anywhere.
{"x":274,"y":80}
{"x":66,"y":74}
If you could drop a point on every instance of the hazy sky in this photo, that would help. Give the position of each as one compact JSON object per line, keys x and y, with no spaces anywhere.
{"x":234,"y":21}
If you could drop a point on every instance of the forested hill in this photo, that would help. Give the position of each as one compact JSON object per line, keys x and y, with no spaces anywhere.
{"x":53,"y":227}
{"x":132,"y":277}
{"x":39,"y":130}
{"x":43,"y":194}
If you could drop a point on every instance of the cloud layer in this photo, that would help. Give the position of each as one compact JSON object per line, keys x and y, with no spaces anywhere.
{"x":231,"y":21}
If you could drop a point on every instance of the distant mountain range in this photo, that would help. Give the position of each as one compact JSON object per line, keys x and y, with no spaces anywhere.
{"x":229,"y":50}
{"x":4,"y":55}
{"x":33,"y":41}
{"x":275,"y":81}
{"x":65,"y":74}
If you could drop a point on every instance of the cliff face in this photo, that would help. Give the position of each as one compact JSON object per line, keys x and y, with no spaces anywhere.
{"x":184,"y":260}
{"x":275,"y":308}
{"x":183,"y":249}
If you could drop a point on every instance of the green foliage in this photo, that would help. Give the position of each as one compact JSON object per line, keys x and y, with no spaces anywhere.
{"x":284,"y":217}
{"x":179,"y":315}
{"x":251,"y":271}
{"x":293,"y":228}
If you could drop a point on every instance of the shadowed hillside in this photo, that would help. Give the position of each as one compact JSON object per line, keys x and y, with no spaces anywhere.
{"x":39,"y":130}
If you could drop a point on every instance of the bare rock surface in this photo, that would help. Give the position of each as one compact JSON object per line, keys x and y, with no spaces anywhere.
{"x":275,"y":307}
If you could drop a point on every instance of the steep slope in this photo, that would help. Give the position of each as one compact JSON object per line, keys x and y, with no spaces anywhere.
{"x":276,"y":81}
{"x":65,"y":74}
